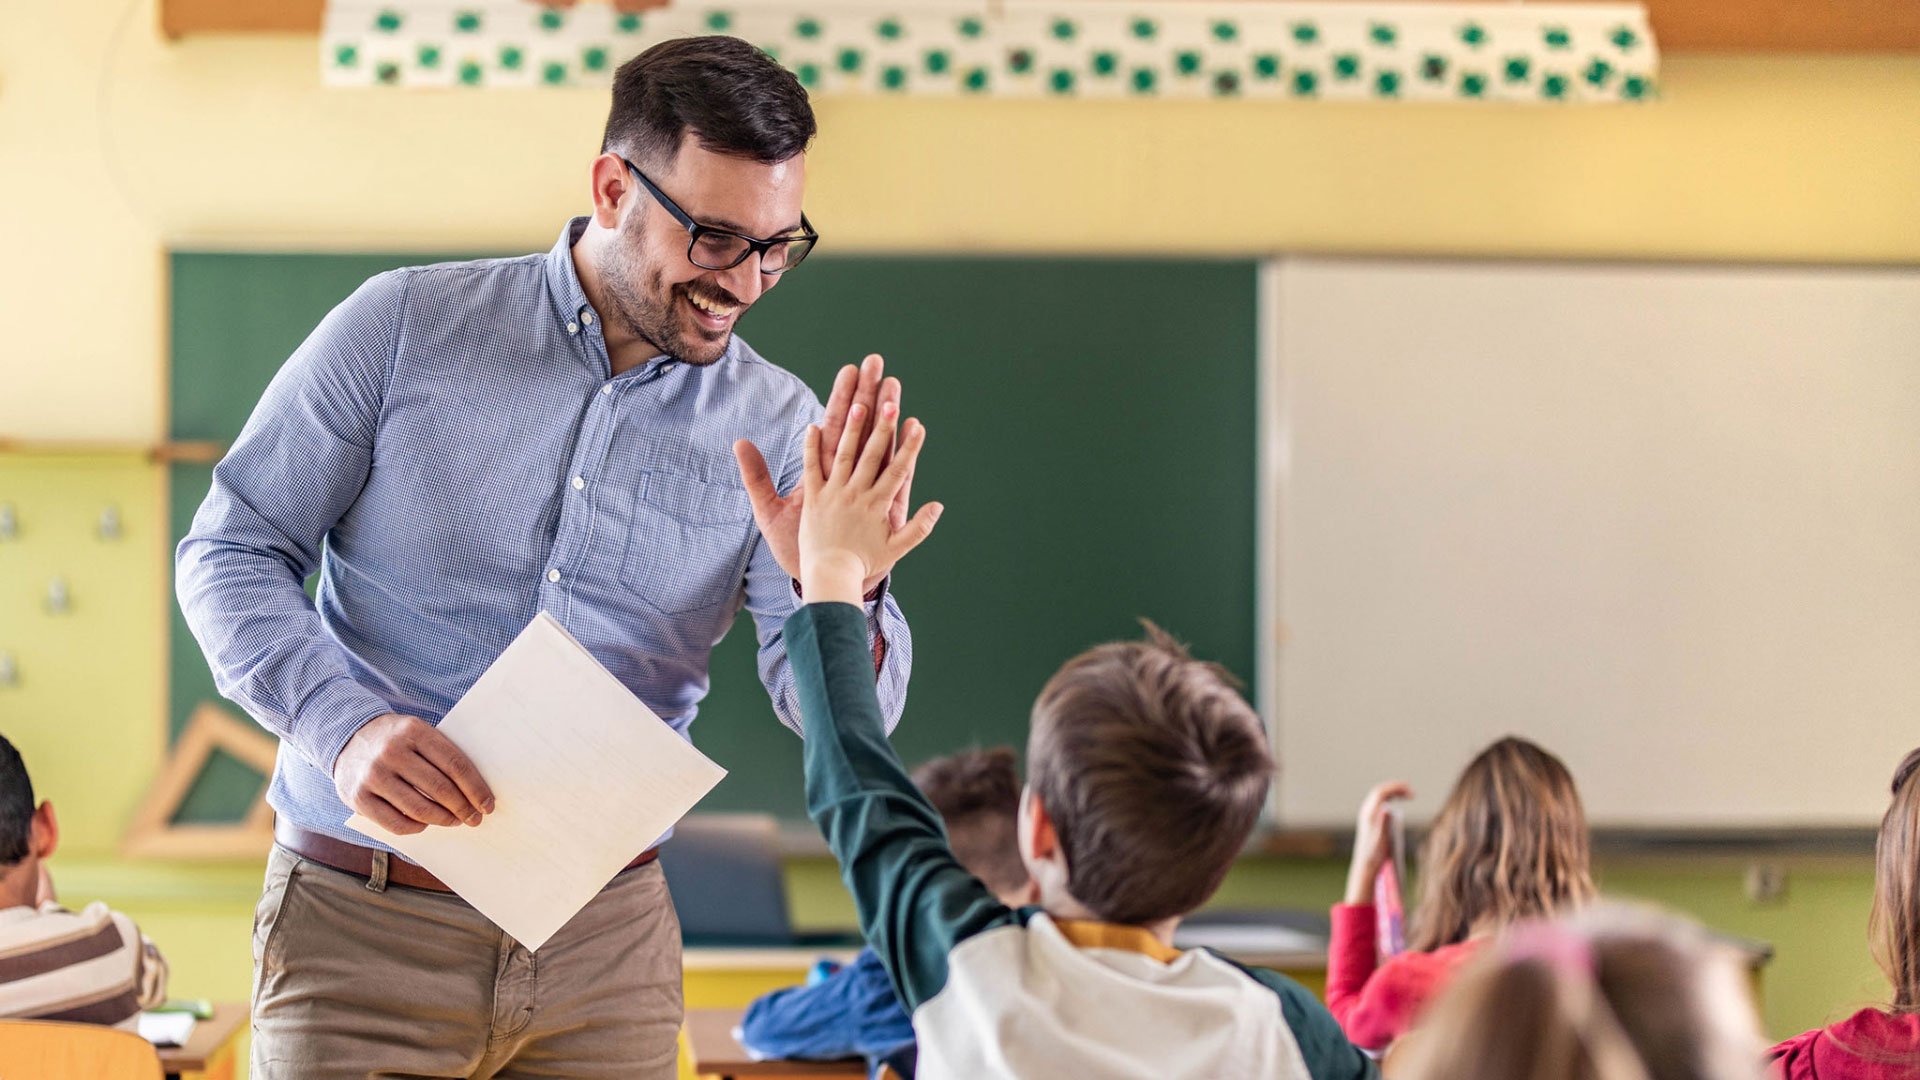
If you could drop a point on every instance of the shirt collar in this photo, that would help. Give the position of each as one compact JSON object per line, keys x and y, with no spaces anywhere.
{"x":563,"y":282}
{"x":1089,"y":934}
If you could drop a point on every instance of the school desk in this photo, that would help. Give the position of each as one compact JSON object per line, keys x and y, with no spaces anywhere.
{"x":716,"y":1053}
{"x":212,"y":1052}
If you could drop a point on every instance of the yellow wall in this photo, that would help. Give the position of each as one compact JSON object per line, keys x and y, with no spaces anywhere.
{"x":85,"y":713}
{"x":114,"y":145}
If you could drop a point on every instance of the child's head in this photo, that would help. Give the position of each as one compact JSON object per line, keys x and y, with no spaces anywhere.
{"x":27,"y":831}
{"x":1895,"y":921}
{"x":1147,"y":771}
{"x":1510,"y":843}
{"x":1610,"y":994}
{"x":977,"y":793}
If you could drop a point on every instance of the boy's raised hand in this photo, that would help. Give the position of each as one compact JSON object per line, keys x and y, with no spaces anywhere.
{"x":848,"y":533}
{"x":777,"y":515}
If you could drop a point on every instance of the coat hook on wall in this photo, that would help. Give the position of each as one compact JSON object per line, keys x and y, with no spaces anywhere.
{"x":9,"y":671}
{"x":9,"y":524}
{"x":59,"y":601}
{"x":110,"y":528}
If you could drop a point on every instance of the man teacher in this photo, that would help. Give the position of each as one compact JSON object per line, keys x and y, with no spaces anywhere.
{"x":455,"y":448}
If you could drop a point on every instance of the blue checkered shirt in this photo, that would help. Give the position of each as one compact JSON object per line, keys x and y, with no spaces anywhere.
{"x":450,"y":450}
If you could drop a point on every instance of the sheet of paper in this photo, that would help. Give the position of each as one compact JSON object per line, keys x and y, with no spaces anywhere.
{"x":584,"y":777}
{"x":166,"y":1029}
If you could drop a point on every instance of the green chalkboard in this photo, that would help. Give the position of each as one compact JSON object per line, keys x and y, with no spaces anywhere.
{"x":1091,"y":431}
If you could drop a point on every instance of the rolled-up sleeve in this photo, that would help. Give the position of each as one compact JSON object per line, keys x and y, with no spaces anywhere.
{"x":296,"y":468}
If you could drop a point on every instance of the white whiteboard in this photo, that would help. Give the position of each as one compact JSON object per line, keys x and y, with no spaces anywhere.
{"x":1663,"y":519}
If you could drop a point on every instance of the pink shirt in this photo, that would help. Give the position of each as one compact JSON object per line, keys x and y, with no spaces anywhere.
{"x":1869,"y":1045}
{"x":1375,"y":1003}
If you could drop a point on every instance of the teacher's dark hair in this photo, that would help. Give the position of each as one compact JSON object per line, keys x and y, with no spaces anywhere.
{"x":728,"y":94}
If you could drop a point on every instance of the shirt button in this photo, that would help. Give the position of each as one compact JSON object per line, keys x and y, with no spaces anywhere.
{"x":607,"y":389}
{"x":573,"y":327}
{"x":578,"y":483}
{"x":553,"y":575}
{"x":666,"y":367}
{"x":587,"y":317}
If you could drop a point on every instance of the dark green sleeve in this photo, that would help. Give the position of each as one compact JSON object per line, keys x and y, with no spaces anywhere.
{"x":916,"y":902}
{"x":1330,"y":1056}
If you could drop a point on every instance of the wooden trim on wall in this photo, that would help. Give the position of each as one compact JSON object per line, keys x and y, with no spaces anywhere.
{"x":183,"y":453}
{"x":1678,"y":25}
{"x":178,"y":18}
{"x":1785,"y":25}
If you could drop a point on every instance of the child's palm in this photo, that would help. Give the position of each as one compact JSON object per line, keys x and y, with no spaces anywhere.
{"x":850,"y":530}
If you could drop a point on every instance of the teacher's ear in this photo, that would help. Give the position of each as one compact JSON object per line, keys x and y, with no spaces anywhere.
{"x":613,"y":189}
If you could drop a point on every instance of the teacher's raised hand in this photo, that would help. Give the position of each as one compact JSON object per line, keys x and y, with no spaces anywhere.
{"x":859,"y":397}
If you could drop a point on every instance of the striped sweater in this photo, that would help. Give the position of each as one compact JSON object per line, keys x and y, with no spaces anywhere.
{"x":91,"y":966}
{"x":997,"y":993}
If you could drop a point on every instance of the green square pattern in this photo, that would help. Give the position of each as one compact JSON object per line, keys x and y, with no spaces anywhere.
{"x":1205,"y":49}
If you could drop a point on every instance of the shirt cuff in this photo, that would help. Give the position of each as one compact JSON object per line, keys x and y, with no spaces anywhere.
{"x":1356,"y":919}
{"x":874,"y":595}
{"x":331,"y":716}
{"x":1353,"y":931}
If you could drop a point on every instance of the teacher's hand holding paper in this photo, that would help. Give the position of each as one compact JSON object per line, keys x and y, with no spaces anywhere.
{"x":586,"y":775}
{"x":401,"y":773}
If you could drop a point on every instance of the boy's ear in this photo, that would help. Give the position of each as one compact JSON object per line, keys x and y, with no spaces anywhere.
{"x":1037,"y":838}
{"x":43,"y":834}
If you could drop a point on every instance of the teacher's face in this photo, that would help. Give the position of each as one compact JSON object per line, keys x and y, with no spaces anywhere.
{"x":654,"y":289}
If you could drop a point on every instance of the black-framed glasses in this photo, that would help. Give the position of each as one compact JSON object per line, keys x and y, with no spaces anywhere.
{"x":720,"y":249}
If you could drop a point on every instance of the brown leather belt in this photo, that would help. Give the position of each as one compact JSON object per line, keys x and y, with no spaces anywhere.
{"x":358,"y":861}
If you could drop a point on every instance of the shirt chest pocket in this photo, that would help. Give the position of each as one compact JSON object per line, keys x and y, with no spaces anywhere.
{"x":689,"y":543}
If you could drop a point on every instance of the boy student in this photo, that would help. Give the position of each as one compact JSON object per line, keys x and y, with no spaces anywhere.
{"x":91,"y":967}
{"x":1146,"y":774}
{"x":853,"y":1012}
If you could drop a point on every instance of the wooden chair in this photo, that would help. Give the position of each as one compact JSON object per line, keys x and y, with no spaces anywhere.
{"x":46,"y":1050}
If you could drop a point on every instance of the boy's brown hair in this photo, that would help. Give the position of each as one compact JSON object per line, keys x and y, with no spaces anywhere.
{"x":977,"y":793}
{"x":1153,"y":770}
{"x":1510,"y":843}
{"x":1895,"y":922}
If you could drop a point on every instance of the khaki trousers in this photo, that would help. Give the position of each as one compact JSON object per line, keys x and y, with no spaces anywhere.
{"x":354,"y":981}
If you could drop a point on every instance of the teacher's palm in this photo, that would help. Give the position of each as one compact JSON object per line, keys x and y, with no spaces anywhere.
{"x":777,"y":515}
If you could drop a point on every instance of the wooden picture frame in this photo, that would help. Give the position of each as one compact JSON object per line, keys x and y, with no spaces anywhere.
{"x":154,"y":834}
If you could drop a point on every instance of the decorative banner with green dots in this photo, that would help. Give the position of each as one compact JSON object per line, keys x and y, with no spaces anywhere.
{"x":1342,"y":51}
